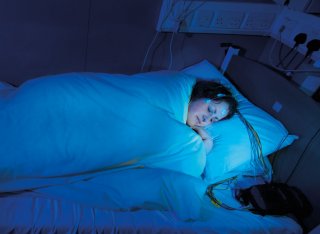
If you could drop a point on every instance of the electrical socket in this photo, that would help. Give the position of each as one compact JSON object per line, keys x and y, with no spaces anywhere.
{"x":290,"y":23}
{"x":203,"y":18}
{"x":259,"y":20}
{"x":277,"y":106}
{"x":228,"y":19}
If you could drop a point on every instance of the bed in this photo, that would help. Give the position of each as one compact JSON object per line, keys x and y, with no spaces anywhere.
{"x":98,"y":179}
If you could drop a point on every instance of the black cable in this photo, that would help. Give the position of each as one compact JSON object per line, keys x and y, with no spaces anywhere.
{"x":280,"y":55}
{"x":300,"y":63}
{"x":312,"y":46}
{"x":276,"y":69}
{"x":302,"y":156}
{"x":299,"y":40}
{"x":291,"y":60}
{"x":281,"y":60}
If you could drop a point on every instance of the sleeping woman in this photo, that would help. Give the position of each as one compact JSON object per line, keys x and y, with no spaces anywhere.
{"x":77,"y":124}
{"x":209,"y":102}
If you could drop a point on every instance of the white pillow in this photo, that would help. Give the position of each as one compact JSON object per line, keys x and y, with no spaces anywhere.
{"x":231,"y":154}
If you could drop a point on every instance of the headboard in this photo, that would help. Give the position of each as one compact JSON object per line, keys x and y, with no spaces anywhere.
{"x":301,"y":116}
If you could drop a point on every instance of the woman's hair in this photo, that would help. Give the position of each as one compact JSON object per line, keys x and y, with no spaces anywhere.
{"x":216,"y":92}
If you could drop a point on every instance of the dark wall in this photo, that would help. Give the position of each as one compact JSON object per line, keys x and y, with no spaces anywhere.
{"x":46,"y":37}
{"x":41,"y":37}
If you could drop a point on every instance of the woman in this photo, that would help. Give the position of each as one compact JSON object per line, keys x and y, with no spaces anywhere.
{"x":209,"y":102}
{"x":81,"y":123}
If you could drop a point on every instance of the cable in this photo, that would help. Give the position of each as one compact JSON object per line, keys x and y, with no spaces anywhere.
{"x":194,"y":9}
{"x":256,"y":147}
{"x":185,"y":10}
{"x":179,"y":19}
{"x":291,"y":60}
{"x":171,"y":53}
{"x":299,"y":39}
{"x":156,"y":35}
{"x":217,"y":202}
{"x":313,"y":45}
{"x":301,"y":156}
{"x":277,"y":68}
{"x":148,"y":50}
{"x":169,"y":12}
{"x":280,"y":52}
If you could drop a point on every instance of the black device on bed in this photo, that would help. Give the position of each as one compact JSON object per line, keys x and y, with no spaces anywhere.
{"x":275,"y":199}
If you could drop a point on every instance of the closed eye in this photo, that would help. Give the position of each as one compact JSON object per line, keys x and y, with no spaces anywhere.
{"x":214,"y":119}
{"x":211,"y":111}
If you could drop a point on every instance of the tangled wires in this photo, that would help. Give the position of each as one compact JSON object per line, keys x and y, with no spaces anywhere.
{"x":257,"y":160}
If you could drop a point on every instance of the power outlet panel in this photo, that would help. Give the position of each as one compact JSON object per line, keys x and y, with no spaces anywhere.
{"x":217,"y":17}
{"x":228,"y":20}
{"x":290,"y":23}
{"x":275,"y":20}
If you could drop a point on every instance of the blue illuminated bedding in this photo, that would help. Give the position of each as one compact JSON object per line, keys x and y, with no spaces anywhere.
{"x":109,"y":153}
{"x":70,"y":126}
{"x":34,"y":213}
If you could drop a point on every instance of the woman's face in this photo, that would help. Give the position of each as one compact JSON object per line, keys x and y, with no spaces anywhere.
{"x":203,"y":112}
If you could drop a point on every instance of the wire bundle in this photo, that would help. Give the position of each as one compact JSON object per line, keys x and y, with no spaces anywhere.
{"x":257,"y":159}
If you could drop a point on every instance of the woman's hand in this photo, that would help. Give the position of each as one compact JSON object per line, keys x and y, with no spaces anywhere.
{"x":207,"y":140}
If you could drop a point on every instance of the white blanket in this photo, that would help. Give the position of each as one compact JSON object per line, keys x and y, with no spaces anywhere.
{"x":56,"y":128}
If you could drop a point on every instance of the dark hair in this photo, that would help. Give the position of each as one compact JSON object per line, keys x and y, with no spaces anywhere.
{"x":214,"y":91}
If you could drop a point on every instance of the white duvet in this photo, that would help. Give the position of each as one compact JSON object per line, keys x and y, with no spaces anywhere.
{"x":61,"y":127}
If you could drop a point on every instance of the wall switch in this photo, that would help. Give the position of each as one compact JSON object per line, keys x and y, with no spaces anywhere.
{"x":277,"y":106}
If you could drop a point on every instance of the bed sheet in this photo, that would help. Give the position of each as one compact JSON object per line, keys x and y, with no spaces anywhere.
{"x":30,"y":214}
{"x":70,"y":126}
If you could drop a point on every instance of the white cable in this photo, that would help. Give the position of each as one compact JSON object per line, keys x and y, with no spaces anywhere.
{"x":171,"y":53}
{"x":148,"y":50}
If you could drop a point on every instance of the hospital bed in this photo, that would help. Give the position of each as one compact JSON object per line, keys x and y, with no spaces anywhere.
{"x":135,"y":198}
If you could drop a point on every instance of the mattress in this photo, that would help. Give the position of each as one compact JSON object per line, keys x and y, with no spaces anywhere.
{"x":30,"y":213}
